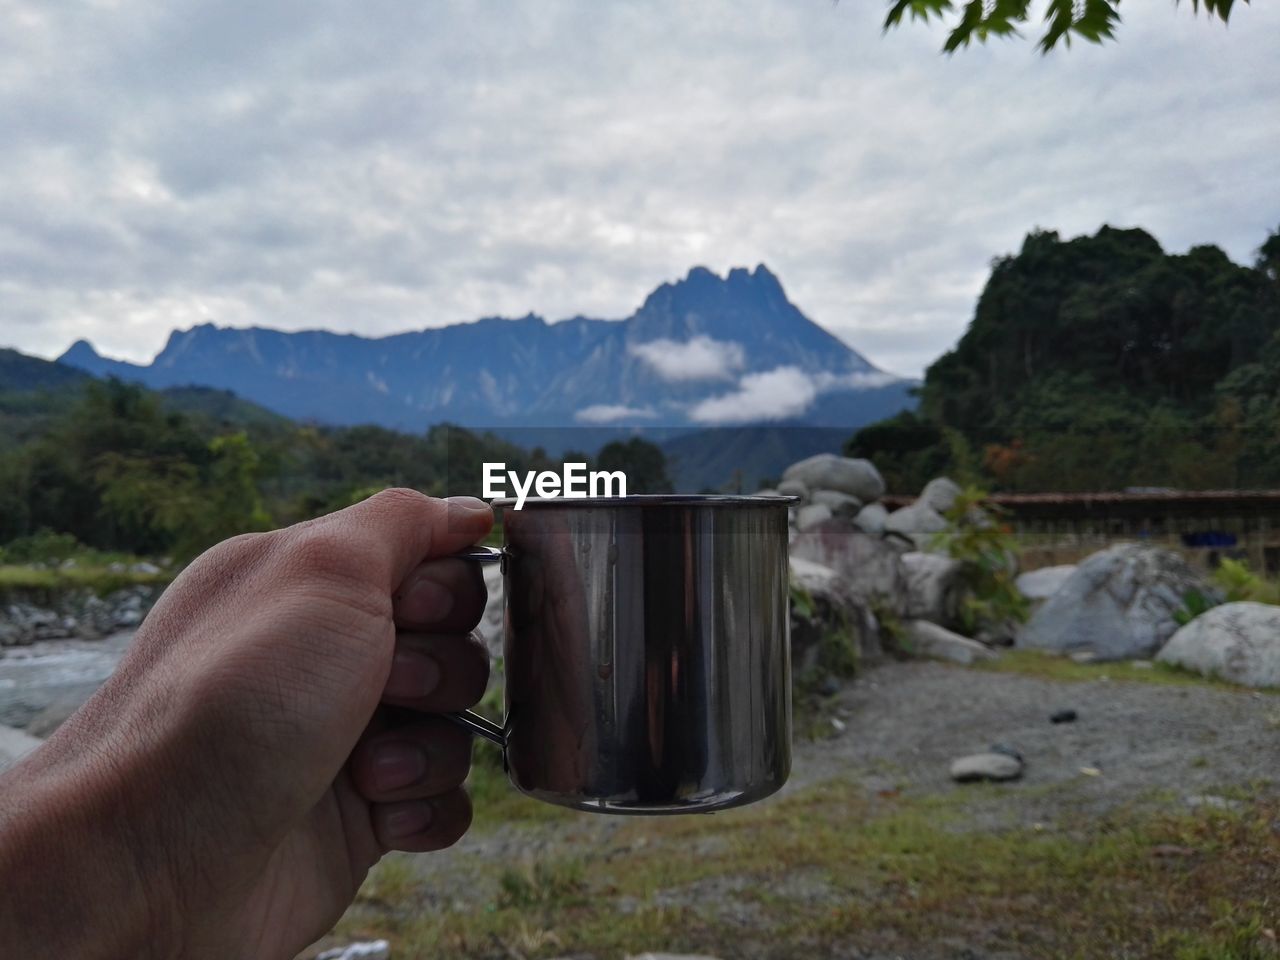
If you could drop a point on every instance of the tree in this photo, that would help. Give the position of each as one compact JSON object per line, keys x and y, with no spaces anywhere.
{"x":642,"y":462}
{"x":1092,"y":20}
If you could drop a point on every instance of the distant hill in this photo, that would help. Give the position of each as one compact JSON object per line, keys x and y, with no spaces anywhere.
{"x":703,"y":351}
{"x":1103,"y":362}
{"x":21,"y":372}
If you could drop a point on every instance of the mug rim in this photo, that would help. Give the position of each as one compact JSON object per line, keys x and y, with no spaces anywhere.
{"x":650,"y":500}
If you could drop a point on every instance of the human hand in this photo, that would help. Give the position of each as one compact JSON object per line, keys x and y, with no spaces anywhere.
{"x":260,"y":746}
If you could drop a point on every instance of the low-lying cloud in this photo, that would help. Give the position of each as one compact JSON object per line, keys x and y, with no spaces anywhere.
{"x":613,"y":413}
{"x":776,"y":394}
{"x":699,"y":358}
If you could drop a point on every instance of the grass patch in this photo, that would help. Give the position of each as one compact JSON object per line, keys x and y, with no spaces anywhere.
{"x":829,"y":867}
{"x":99,"y":580}
{"x":1048,"y":666}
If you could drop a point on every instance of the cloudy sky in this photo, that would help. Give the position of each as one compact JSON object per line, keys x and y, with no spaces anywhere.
{"x":388,"y":165}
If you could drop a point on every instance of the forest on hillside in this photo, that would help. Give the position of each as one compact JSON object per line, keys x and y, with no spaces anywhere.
{"x":122,"y":469}
{"x":1102,"y":363}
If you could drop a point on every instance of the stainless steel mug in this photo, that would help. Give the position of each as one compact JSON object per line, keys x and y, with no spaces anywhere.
{"x":647,"y":651}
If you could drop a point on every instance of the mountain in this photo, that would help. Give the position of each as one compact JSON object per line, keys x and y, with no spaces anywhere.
{"x":703,"y":351}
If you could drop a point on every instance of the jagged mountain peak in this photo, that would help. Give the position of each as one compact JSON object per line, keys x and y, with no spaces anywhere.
{"x":691,"y":341}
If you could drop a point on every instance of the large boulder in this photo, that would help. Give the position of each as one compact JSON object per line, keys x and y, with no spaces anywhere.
{"x":933,"y":586}
{"x":1118,"y":604}
{"x":939,"y":494}
{"x":812,"y":514}
{"x":1042,"y":584}
{"x":840,"y":504}
{"x":871,"y":519}
{"x":917,"y":523}
{"x":794,"y":488}
{"x":826,"y":471}
{"x":870,"y":569}
{"x":925,"y":639}
{"x":1239,"y":642}
{"x":834,"y":606}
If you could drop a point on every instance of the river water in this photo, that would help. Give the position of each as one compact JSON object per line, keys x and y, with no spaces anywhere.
{"x":53,"y":676}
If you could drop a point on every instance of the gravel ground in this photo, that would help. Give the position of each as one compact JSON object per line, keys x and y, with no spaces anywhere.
{"x":905,"y":722}
{"x":1144,"y":744}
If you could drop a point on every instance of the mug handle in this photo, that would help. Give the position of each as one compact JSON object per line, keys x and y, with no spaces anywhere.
{"x":465,"y":718}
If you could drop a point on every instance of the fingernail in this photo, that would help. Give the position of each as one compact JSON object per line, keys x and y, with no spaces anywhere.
{"x":413,"y":674}
{"x":407,"y":819}
{"x":425,"y":601}
{"x":469,"y":504}
{"x":397,"y":765}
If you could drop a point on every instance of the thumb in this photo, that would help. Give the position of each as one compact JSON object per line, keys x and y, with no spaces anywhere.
{"x":397,"y":529}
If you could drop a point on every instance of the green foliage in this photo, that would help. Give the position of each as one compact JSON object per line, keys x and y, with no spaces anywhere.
{"x":1091,"y":20}
{"x":1194,"y":603}
{"x":121,"y":469}
{"x":987,"y":551}
{"x":1102,"y":363}
{"x":1238,"y":582}
{"x":1234,"y":582}
{"x":642,"y":462}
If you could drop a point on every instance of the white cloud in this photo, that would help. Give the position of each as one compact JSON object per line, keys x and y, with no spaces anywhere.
{"x":612,"y":413}
{"x":777,"y":394}
{"x":780,"y":393}
{"x":699,"y":358}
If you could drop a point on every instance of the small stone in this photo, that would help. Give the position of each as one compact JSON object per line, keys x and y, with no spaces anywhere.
{"x":1008,"y":751}
{"x":838,"y":725}
{"x":1091,"y":771}
{"x":1064,"y":716}
{"x":1084,"y":656}
{"x":985,"y":766}
{"x":368,"y":950}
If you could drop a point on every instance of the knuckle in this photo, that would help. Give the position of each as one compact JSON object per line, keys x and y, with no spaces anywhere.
{"x":401,"y":500}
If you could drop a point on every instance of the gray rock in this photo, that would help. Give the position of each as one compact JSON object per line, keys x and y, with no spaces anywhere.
{"x":869,"y":568}
{"x":834,"y":604}
{"x":794,"y":488}
{"x":840,"y":504}
{"x":826,"y":471}
{"x":490,"y":625}
{"x":933,"y":586}
{"x":811,"y":515}
{"x":938,"y":643}
{"x":14,"y":745}
{"x":1239,"y":642}
{"x":871,"y":519}
{"x":986,"y":766}
{"x":1044,"y":583}
{"x":1118,"y":604}
{"x":918,"y":522}
{"x":939,"y":494}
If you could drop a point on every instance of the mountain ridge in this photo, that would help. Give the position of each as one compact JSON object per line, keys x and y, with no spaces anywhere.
{"x":683,"y":358}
